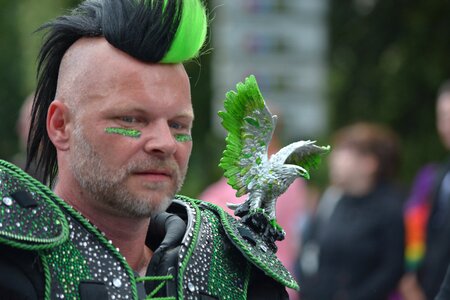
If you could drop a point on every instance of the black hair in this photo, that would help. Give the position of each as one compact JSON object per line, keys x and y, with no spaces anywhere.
{"x":143,"y":29}
{"x":444,"y":88}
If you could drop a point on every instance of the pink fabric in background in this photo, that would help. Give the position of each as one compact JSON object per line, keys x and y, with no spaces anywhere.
{"x":290,"y":208}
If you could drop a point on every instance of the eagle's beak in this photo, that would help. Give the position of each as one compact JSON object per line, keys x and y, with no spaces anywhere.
{"x":303,"y":173}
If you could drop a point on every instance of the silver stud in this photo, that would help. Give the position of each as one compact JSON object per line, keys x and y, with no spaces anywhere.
{"x":117,"y":283}
{"x":191,"y":287}
{"x":263,"y":248}
{"x":7,"y":201}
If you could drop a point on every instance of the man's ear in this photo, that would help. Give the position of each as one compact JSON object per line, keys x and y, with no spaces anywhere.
{"x":58,"y":117}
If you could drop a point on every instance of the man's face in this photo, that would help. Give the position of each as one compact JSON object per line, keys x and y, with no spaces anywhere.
{"x":443,"y":119}
{"x":132,"y":176}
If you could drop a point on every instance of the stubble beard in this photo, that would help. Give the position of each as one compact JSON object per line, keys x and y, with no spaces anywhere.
{"x":107,"y":186}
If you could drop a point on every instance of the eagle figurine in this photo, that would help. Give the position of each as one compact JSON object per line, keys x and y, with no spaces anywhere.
{"x":246,"y":164}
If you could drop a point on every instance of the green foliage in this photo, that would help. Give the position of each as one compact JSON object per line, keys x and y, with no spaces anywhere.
{"x":205,"y":155}
{"x":387,"y":62}
{"x":18,"y":52}
{"x":10,"y":77}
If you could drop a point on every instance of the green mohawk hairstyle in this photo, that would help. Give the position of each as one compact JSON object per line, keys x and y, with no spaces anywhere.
{"x":187,"y":42}
{"x":156,"y":31}
{"x":169,"y":31}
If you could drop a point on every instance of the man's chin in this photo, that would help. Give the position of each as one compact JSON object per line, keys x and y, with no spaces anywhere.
{"x":141,"y":209}
{"x":155,"y":202}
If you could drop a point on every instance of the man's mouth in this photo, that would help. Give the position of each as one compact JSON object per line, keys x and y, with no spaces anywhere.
{"x":155,"y":175}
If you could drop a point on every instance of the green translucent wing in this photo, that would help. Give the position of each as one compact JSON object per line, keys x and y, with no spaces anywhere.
{"x":303,"y":153}
{"x":250,"y":127}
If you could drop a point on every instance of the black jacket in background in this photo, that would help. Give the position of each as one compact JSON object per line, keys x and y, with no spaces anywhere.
{"x":437,"y":254}
{"x":361,"y":249}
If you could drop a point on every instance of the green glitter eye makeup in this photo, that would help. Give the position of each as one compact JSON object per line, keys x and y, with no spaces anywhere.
{"x":124,"y":131}
{"x":133,"y":133}
{"x":183,"y":138}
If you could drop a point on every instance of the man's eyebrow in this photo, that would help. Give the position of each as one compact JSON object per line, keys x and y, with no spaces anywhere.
{"x":123,"y":108}
{"x":188,"y":114}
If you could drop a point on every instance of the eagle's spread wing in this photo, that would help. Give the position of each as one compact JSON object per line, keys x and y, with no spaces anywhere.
{"x":305,"y":154}
{"x":250,"y":126}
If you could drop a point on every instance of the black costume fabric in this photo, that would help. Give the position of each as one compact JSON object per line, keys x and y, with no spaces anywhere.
{"x":444,"y":291}
{"x":433,"y":268}
{"x":21,"y":272}
{"x":359,"y":249}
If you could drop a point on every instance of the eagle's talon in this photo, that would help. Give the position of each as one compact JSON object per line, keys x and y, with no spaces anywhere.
{"x":268,"y":229}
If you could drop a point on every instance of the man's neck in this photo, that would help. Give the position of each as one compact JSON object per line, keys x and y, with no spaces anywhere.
{"x":126,"y":233}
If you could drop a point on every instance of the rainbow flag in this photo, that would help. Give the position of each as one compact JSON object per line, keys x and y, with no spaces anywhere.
{"x":416,"y":213}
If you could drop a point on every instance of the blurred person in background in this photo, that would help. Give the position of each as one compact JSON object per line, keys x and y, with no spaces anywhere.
{"x":427,"y":217}
{"x":290,"y":207}
{"x":352,"y":249}
{"x":22,"y":130}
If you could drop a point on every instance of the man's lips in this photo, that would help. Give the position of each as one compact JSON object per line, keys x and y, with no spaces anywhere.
{"x":154,"y":175}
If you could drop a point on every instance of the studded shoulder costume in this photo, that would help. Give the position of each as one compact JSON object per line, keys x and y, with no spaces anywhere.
{"x":50,"y":251}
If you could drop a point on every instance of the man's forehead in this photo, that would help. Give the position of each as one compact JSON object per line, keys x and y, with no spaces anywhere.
{"x":142,"y":107}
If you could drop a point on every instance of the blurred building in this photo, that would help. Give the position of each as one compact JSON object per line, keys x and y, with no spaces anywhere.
{"x":284,"y":44}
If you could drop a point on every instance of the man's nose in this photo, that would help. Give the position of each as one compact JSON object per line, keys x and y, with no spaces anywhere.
{"x":160,"y":139}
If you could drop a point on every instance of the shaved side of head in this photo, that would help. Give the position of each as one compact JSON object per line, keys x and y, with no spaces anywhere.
{"x":77,"y":71}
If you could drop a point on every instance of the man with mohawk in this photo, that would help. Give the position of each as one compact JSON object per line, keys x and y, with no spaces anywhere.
{"x":111,"y":133}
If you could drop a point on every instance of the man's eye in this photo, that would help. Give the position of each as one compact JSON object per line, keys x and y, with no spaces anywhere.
{"x":128,"y":119}
{"x":176,"y":126}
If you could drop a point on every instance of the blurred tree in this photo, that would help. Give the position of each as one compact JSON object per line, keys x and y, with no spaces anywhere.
{"x":18,"y":52}
{"x":33,"y":14}
{"x":203,"y":161}
{"x":387,"y":60}
{"x":10,"y":76}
